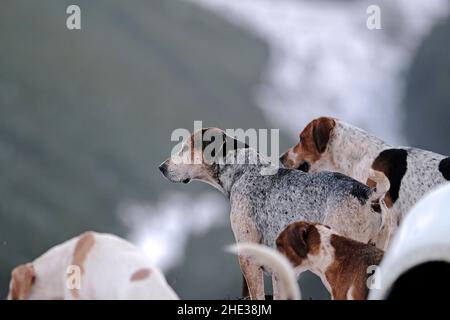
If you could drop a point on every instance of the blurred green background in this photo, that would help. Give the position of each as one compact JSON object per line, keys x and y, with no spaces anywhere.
{"x":86,"y":118}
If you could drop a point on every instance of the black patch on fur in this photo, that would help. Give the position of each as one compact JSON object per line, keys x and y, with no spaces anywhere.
{"x":376,"y":207}
{"x":393,"y":163}
{"x":228,"y":144}
{"x":357,"y":189}
{"x":206,"y":143}
{"x":283,"y":172}
{"x":305,"y":166}
{"x":321,"y":133}
{"x":360,"y":192}
{"x":444,"y":168}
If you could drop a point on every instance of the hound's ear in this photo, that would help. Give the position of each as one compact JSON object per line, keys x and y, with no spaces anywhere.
{"x":22,"y":280}
{"x":213,"y":140}
{"x":298,"y":238}
{"x":301,"y":237}
{"x":322,"y":128}
{"x":234,"y":144}
{"x":231,"y":144}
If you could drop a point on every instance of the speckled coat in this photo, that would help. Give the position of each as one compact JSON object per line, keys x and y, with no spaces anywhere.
{"x":344,"y":148}
{"x":273,"y":201}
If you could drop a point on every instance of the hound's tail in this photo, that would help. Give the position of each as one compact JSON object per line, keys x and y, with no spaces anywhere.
{"x":381,"y":185}
{"x":380,"y":182}
{"x":273,"y":260}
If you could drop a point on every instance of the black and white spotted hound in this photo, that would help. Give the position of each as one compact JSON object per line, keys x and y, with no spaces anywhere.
{"x":331,"y":144}
{"x":265,"y":199}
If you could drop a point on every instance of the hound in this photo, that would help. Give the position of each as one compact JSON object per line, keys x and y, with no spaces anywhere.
{"x":331,"y":144}
{"x":263,"y":204}
{"x":91,"y":266}
{"x":344,"y":265}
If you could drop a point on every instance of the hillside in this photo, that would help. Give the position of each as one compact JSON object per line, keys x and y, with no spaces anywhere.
{"x":86,"y":116}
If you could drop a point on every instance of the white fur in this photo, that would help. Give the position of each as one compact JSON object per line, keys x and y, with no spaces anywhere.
{"x":318,"y":264}
{"x":108,"y":268}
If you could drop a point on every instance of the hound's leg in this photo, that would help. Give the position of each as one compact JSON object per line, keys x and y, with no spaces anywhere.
{"x":254,"y":278}
{"x":276,"y":289}
{"x":245,"y":292}
{"x":245,"y":230}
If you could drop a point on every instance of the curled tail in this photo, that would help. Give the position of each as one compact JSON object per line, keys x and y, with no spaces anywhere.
{"x":380,"y":184}
{"x":273,"y":260}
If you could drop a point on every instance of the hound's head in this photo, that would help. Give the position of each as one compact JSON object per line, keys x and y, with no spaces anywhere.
{"x":22,"y":280}
{"x":302,"y":240}
{"x":311,"y":152}
{"x":199,"y":157}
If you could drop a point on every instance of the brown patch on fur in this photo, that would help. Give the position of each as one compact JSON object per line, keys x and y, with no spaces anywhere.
{"x":387,"y":198}
{"x":84,"y":245}
{"x":349,"y":267}
{"x":388,"y":201}
{"x":22,"y":280}
{"x":313,"y":139}
{"x":197,"y":144}
{"x":371,"y":184}
{"x":313,"y":142}
{"x":322,"y":128}
{"x":141,"y":274}
{"x":202,"y":139}
{"x":298,"y":240}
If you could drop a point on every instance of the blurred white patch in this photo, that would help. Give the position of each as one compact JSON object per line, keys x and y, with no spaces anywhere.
{"x":162,"y":230}
{"x":325,"y":61}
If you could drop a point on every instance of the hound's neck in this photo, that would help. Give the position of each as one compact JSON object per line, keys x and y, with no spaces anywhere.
{"x":229,"y":173}
{"x":353,"y":150}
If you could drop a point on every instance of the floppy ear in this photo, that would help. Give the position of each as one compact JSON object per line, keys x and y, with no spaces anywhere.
{"x":213,"y":140}
{"x":231,"y":144}
{"x":321,"y":132}
{"x":298,"y":238}
{"x":22,"y":280}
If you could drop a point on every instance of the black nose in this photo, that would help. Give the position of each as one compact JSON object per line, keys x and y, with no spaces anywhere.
{"x":283,"y":156}
{"x":163,"y":168}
